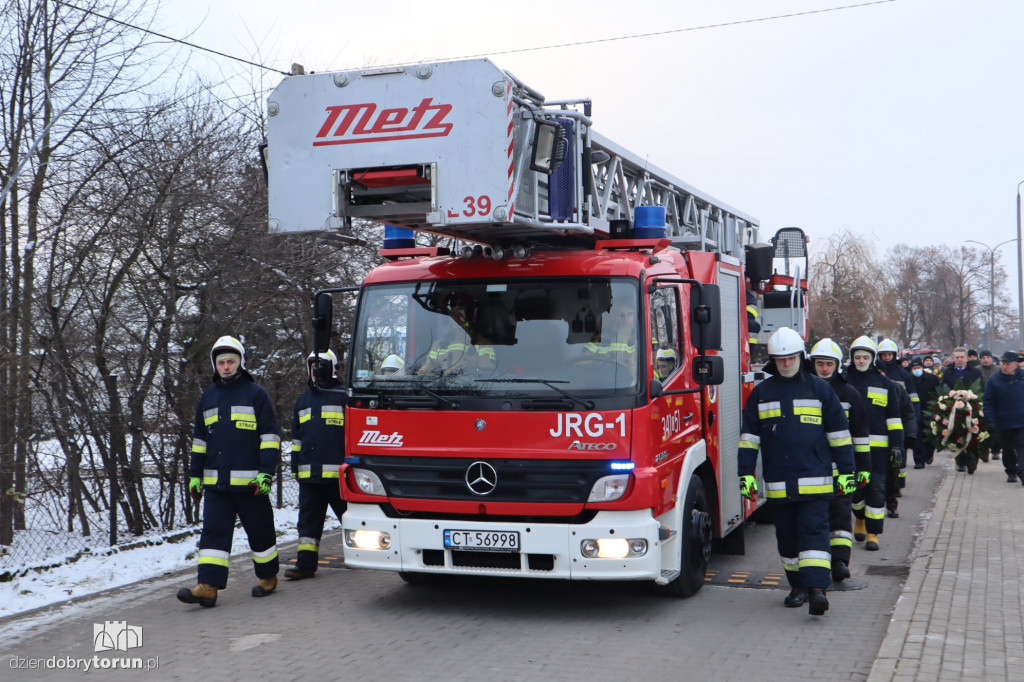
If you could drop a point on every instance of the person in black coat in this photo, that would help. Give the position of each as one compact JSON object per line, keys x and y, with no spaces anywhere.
{"x":927,"y":384}
{"x":1004,"y":410}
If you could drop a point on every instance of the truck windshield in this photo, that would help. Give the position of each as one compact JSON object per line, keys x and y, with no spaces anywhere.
{"x":581,"y":335}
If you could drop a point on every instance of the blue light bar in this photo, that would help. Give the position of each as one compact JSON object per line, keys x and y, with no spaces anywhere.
{"x":622,"y":466}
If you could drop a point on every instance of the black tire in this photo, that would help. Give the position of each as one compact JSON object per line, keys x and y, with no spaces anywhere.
{"x":695,"y":543}
{"x":417,"y":578}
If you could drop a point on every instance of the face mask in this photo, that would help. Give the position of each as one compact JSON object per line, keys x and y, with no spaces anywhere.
{"x":917,"y":372}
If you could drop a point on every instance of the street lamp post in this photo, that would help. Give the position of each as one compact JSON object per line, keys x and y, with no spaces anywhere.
{"x":992,"y":278}
{"x":1020,"y":274}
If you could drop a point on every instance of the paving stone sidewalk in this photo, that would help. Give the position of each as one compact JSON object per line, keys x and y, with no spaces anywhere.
{"x":960,"y":614}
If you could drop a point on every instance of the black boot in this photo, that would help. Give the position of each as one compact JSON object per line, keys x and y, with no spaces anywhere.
{"x":797,"y":597}
{"x":298,"y":573}
{"x":840,"y":571}
{"x":817,"y":602}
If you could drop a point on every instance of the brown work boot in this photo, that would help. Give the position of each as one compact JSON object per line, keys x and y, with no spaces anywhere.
{"x":265,"y":586}
{"x":202,"y":594}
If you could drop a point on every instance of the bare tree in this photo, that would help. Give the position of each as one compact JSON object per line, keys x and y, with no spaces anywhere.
{"x":848,"y":294}
{"x":61,"y":66}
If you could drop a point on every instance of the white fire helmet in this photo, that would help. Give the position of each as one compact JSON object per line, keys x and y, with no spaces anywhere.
{"x":328,"y":354}
{"x":888,"y":346}
{"x":827,"y":348}
{"x":785,"y":341}
{"x":227,"y":344}
{"x":392,"y":364}
{"x":665,"y":354}
{"x":864,"y":343}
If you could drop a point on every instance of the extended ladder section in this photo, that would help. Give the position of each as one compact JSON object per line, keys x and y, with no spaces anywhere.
{"x":464,"y":149}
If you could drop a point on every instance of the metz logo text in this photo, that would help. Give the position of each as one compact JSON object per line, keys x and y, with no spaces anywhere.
{"x":355,"y":123}
{"x":381,"y":440}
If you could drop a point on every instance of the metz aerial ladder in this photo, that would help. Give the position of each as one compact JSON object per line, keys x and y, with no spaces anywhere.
{"x":466,"y":150}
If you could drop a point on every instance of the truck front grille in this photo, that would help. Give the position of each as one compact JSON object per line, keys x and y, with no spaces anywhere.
{"x":518,"y":480}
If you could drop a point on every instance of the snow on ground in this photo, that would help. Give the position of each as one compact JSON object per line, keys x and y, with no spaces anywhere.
{"x":94,"y":573}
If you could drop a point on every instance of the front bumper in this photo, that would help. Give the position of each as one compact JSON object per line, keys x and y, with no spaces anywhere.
{"x":548,"y":550}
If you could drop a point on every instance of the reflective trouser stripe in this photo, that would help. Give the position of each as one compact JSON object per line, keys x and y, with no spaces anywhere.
{"x":215,"y":557}
{"x":265,"y":556}
{"x":841,"y":538}
{"x":860,"y":505}
{"x":874,"y":512}
{"x":790,"y":563}
{"x":309,"y":545}
{"x":811,"y":557}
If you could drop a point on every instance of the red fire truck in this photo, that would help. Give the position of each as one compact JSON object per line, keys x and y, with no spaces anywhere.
{"x":570,"y":377}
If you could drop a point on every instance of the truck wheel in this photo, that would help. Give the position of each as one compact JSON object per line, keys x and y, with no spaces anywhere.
{"x":695,"y":543}
{"x":417,"y":578}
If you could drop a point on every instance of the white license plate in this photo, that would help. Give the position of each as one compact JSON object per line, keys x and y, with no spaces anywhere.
{"x":496,"y":540}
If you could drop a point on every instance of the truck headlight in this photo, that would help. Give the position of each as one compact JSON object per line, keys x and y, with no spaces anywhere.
{"x":368,"y":482}
{"x":608,"y":488}
{"x":367,"y":539}
{"x":613,"y":548}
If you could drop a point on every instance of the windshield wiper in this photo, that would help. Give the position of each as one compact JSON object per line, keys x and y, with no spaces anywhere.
{"x":586,"y":404}
{"x":412,"y":400}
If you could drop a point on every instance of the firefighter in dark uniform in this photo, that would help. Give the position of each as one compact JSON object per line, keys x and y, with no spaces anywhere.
{"x":797,"y":422}
{"x":318,"y":450}
{"x":885,"y":428}
{"x":753,"y":321}
{"x":236,"y":447}
{"x":910,"y":409}
{"x":827,"y":358}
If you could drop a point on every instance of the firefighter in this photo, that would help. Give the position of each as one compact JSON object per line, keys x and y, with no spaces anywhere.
{"x":797,"y":422}
{"x":926,"y":384}
{"x":664,"y":363}
{"x":236,"y":447}
{"x":753,"y":323}
{"x":457,"y":348}
{"x":827,"y":359}
{"x":885,"y":428}
{"x":318,"y":450}
{"x":615,"y":341}
{"x":910,"y":411}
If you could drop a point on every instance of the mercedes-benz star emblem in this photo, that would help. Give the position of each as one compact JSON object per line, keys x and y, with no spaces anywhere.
{"x":481,"y":478}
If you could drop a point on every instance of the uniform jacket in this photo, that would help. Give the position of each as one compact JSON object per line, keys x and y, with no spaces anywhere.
{"x":895,"y":371}
{"x":1004,"y":401}
{"x":853,"y":405}
{"x":318,"y":435}
{"x":909,"y":413}
{"x":236,"y":434}
{"x":800,"y":428}
{"x":881,"y":402}
{"x":926,"y":386}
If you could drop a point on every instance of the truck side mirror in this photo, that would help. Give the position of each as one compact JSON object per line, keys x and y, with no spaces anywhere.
{"x":708,"y":370}
{"x":322,"y":321}
{"x":706,"y":317}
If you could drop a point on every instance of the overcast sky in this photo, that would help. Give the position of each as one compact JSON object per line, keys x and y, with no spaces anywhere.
{"x":899,"y":120}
